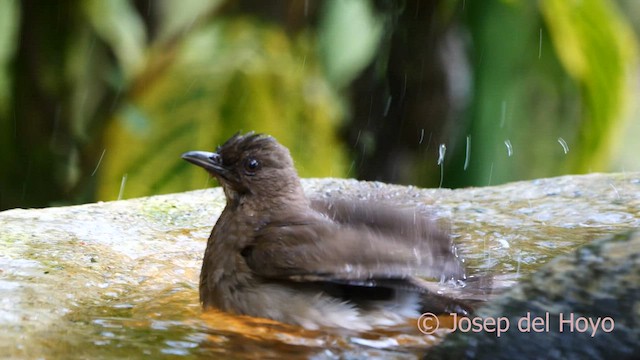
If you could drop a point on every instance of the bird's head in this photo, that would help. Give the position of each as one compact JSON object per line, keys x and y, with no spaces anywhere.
{"x":250,"y":165}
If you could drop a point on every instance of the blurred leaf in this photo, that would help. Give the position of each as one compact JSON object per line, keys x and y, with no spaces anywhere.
{"x":87,"y":70}
{"x":180,"y":16}
{"x":598,"y":49}
{"x":120,"y":25}
{"x":537,"y":87}
{"x":9,"y":24}
{"x":507,"y":71}
{"x":219,"y":79}
{"x":349,"y":37}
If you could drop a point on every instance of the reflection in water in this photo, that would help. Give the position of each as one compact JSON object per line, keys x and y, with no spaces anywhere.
{"x":171,"y":325}
{"x":159,"y":322}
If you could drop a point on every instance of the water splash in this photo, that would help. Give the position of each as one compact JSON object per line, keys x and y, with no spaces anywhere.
{"x":467,"y":153}
{"x":503,"y":115}
{"x":563,"y":143}
{"x":615,"y":190}
{"x":540,"y":44}
{"x":490,"y":174}
{"x":99,"y":162}
{"x":507,"y":143}
{"x":122,"y":185}
{"x":442,"y":150}
{"x":387,"y":106}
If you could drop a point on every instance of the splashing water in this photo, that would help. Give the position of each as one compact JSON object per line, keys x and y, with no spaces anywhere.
{"x":441,"y":152}
{"x":563,"y":143}
{"x":507,"y":143}
{"x":99,"y":162}
{"x":467,"y":152}
{"x":122,"y":185}
{"x":540,"y":44}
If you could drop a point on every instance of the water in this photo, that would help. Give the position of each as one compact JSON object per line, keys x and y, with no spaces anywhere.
{"x":120,"y":279}
{"x":172,"y":326}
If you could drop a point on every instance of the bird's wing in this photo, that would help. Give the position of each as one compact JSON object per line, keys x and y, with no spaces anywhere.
{"x":315,"y":248}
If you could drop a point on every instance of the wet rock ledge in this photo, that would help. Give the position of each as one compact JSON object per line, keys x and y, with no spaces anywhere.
{"x":60,"y":268}
{"x":584,"y":305}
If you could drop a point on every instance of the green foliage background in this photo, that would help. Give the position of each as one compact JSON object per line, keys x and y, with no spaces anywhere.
{"x":227,"y":76}
{"x":549,"y":71}
{"x":98,"y":99}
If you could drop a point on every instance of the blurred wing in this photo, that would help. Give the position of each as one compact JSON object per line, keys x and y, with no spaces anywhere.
{"x":315,"y":248}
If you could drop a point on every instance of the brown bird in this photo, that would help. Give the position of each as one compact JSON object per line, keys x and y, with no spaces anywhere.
{"x":276,"y":254}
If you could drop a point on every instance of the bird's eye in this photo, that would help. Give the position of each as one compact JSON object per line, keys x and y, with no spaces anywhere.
{"x":251,"y":165}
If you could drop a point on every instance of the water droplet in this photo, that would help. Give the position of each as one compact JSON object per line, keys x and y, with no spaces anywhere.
{"x":615,"y":190}
{"x":441,"y":152}
{"x":509,"y":147}
{"x":387,"y":106}
{"x":122,"y":185}
{"x":99,"y":161}
{"x":540,"y":44}
{"x":564,"y":145}
{"x":467,"y":153}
